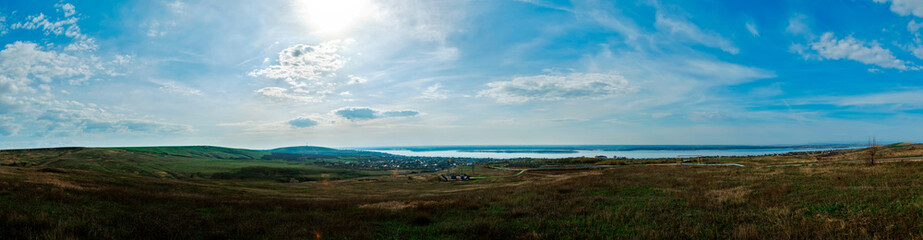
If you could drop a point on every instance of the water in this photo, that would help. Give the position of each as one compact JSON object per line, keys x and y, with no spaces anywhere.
{"x":593,"y":153}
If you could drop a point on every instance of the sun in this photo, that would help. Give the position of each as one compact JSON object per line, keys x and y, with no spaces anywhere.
{"x":332,"y":16}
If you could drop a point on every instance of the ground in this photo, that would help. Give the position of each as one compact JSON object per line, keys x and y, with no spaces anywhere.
{"x":53,"y":200}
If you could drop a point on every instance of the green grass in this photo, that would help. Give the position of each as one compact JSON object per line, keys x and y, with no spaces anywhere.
{"x":169,"y":162}
{"x":200,"y":151}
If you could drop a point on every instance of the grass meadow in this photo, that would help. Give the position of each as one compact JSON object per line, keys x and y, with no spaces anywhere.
{"x":842,"y":201}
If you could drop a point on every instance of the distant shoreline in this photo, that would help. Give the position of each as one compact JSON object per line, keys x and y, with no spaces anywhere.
{"x":607,"y":148}
{"x":635,"y":152}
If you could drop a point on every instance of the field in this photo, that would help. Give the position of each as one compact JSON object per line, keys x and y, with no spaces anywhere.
{"x":175,"y":194}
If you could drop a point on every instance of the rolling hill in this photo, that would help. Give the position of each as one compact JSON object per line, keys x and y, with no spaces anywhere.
{"x":311,"y":150}
{"x":183,"y":162}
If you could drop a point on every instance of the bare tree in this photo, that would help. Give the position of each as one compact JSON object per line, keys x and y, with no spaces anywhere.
{"x":872,"y":151}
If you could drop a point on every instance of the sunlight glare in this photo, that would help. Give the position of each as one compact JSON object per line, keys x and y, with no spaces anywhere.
{"x":332,"y":16}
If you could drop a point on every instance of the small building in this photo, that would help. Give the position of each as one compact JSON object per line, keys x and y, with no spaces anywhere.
{"x":453,"y":177}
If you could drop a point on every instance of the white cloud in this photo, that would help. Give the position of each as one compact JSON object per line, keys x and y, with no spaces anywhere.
{"x":158,"y":29}
{"x":797,"y":25}
{"x":905,"y":7}
{"x":365,"y":113}
{"x":3,"y":28}
{"x":355,"y":80}
{"x":556,"y":87}
{"x":309,"y":71}
{"x":305,"y":62}
{"x":829,"y":47}
{"x":277,"y":93}
{"x":177,"y":88}
{"x":22,"y":63}
{"x":67,"y":26}
{"x":913,"y":26}
{"x":434,"y":92}
{"x":177,"y":7}
{"x":751,"y":27}
{"x":916,"y":50}
{"x":67,"y":8}
{"x":41,"y":21}
{"x":86,"y":44}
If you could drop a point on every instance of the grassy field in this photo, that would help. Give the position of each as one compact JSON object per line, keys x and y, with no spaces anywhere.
{"x":174,"y":162}
{"x":67,"y":193}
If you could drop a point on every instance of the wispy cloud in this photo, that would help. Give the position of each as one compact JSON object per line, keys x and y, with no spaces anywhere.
{"x":177,"y":88}
{"x":751,"y":27}
{"x":903,"y":99}
{"x":558,"y":87}
{"x":684,"y":29}
{"x":434,"y":92}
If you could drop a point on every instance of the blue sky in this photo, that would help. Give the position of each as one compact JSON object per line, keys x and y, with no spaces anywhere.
{"x":262,"y":74}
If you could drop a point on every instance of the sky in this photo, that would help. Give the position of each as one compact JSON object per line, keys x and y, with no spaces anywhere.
{"x":359,"y":73}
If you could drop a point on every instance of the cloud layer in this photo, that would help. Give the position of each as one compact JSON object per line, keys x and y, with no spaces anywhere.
{"x":90,"y":120}
{"x":365,"y":113}
{"x":559,"y":87}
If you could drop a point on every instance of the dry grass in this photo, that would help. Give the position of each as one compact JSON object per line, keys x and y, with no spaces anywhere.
{"x":839,"y":201}
{"x":733,"y":195}
{"x":396,"y":205}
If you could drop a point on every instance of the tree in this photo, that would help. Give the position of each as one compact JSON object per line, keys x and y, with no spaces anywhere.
{"x":872,"y":151}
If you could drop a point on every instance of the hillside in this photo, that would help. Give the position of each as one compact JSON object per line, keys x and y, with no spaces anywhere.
{"x":311,"y":150}
{"x":175,"y":162}
{"x":200,"y":151}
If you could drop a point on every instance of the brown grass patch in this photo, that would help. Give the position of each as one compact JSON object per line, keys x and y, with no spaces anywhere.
{"x":745,"y":232}
{"x":816,"y":170}
{"x":730,"y":195}
{"x":396,"y":205}
{"x":59,"y":183}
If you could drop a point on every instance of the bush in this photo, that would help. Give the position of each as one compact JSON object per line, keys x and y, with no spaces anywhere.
{"x":421,"y":219}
